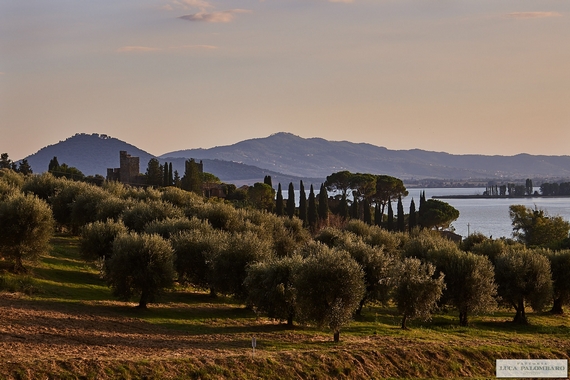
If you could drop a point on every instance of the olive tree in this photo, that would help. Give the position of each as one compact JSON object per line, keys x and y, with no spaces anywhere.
{"x":141,"y":213}
{"x":171,"y":226}
{"x":536,"y":228}
{"x":12,"y":178}
{"x":96,"y":241}
{"x":45,"y":186}
{"x":376,"y":265}
{"x":194,"y":253}
{"x":469,"y":279}
{"x":270,"y":287}
{"x":141,"y":265}
{"x":560,"y":264}
{"x":230,"y":264}
{"x":27,"y":226}
{"x":63,"y":200}
{"x":330,"y":286}
{"x":86,"y":205}
{"x":523,"y":275}
{"x":417,"y":291}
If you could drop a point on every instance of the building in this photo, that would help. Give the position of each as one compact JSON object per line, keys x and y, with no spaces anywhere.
{"x":128,"y":172}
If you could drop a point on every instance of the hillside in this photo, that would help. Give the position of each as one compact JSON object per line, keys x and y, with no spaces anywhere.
{"x":94,"y":153}
{"x":317,"y":157}
{"x":289,"y":158}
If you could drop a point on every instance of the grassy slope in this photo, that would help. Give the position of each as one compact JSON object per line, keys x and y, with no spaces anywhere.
{"x":219,"y":331}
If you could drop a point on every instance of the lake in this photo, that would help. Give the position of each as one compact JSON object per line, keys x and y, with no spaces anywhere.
{"x":487,"y":216}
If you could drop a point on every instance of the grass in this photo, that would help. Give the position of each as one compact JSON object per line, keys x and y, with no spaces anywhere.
{"x":373,"y":345}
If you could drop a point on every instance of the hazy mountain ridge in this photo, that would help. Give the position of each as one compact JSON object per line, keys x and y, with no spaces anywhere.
{"x":316,"y":157}
{"x":289,"y":158}
{"x":94,"y":153}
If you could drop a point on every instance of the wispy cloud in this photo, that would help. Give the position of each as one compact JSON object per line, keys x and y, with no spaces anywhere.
{"x":147,"y":49}
{"x":136,"y":49}
{"x":222,"y":16}
{"x":531,"y":15}
{"x":202,"y":5}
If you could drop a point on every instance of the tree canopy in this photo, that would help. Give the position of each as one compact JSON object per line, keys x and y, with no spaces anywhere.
{"x":437,"y":214}
{"x":536,"y":228}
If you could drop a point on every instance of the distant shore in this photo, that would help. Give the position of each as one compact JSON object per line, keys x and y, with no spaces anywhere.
{"x":482,"y":196}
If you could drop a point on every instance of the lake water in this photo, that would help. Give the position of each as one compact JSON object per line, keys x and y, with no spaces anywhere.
{"x":487,"y":216}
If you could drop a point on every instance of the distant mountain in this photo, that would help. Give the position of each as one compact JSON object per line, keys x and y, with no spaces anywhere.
{"x":94,"y":153}
{"x":317,"y":157}
{"x":289,"y":158}
{"x":90,"y":153}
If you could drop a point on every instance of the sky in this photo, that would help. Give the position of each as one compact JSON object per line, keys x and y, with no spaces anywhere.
{"x":459,"y":76}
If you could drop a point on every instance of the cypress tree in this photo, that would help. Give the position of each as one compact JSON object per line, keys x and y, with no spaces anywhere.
{"x":401,"y":222}
{"x":279,"y":201}
{"x":344,"y":212}
{"x":165,"y":175}
{"x":422,"y":207}
{"x":367,"y":213}
{"x":291,"y":201}
{"x":354,"y":209}
{"x":53,"y":164}
{"x":170,"y":175}
{"x":192,"y":180}
{"x":323,"y":204}
{"x":390,"y":223}
{"x":377,"y":215}
{"x":303,"y":206}
{"x":267,"y":180}
{"x":412,"y":221}
{"x":176,"y":180}
{"x":313,"y":214}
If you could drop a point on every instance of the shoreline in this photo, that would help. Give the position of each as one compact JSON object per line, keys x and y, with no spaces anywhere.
{"x":481,"y":196}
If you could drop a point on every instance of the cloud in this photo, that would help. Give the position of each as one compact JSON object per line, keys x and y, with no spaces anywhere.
{"x":146,"y":49}
{"x":341,"y":1}
{"x":202,"y":5}
{"x":134,"y":49}
{"x":222,"y":16}
{"x":530,"y":15}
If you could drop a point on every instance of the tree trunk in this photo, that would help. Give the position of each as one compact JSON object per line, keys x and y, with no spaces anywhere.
{"x":404,"y":322}
{"x":359,"y":309}
{"x":520,"y":317}
{"x":463,"y":319}
{"x":336,"y":336}
{"x":19,"y":266}
{"x":144,"y":300}
{"x":557,"y":306}
{"x":213,"y":293}
{"x":290,"y":320}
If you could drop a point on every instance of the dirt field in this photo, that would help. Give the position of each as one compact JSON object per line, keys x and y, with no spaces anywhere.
{"x":41,"y":340}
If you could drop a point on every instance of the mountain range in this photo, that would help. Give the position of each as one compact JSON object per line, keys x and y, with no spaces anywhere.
{"x":289,"y":158}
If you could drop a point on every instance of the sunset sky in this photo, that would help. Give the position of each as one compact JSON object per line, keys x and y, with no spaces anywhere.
{"x":461,"y":76}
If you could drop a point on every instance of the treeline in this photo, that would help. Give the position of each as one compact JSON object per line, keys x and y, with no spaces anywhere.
{"x":146,"y":240}
{"x":510,"y":189}
{"x":553,"y":189}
